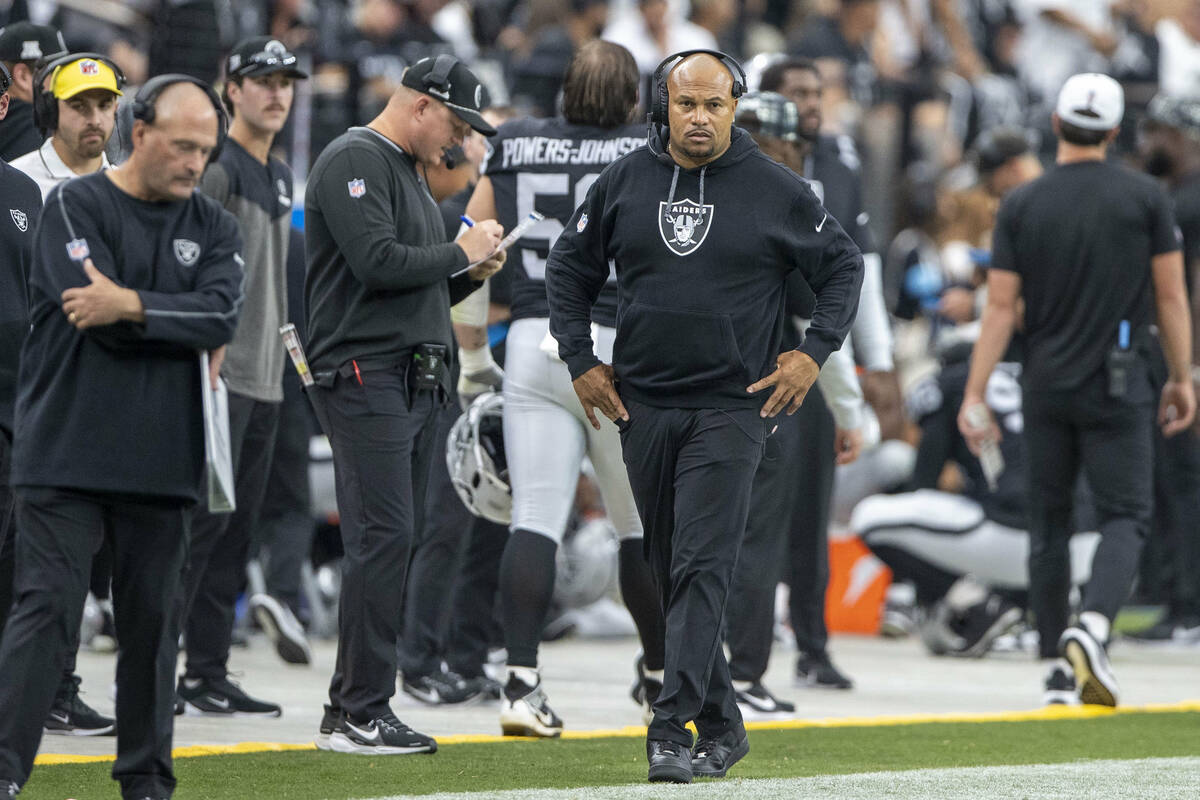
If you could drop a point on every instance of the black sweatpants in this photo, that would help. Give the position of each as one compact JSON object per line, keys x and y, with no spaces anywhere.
{"x":383,"y":447}
{"x":58,"y":532}
{"x":1111,"y":440}
{"x":808,"y":549}
{"x":436,"y":560}
{"x":750,"y":620}
{"x":691,"y":471}
{"x":220,"y":543}
{"x":286,"y":527}
{"x":7,"y":533}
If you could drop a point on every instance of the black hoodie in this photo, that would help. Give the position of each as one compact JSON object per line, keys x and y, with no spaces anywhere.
{"x":701,"y":256}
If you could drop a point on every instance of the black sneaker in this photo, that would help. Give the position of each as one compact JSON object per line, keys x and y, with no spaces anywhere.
{"x":489,"y":690}
{"x":1181,"y":629}
{"x":9,"y":789}
{"x":819,"y":671}
{"x":712,"y":757}
{"x":441,"y":688}
{"x":384,"y":736}
{"x":670,"y":762}
{"x":1093,"y":674}
{"x":1060,"y":688}
{"x":758,"y":698}
{"x":70,"y":716}
{"x":525,"y":711}
{"x":282,"y":628}
{"x":222,"y":697}
{"x":330,"y":721}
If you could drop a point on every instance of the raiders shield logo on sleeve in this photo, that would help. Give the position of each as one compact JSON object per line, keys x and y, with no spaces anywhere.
{"x":20,"y":218}
{"x":684,"y":225}
{"x":186,"y":251}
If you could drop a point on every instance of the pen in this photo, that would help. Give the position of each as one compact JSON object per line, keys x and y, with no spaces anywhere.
{"x":470,"y":223}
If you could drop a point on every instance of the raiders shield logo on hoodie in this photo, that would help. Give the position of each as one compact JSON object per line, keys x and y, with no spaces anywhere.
{"x":684,"y":224}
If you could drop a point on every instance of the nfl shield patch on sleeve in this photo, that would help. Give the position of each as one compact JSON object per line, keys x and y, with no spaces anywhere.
{"x":358,"y":187}
{"x":77,"y":249}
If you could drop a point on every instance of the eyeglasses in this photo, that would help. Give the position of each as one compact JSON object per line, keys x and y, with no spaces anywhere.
{"x":266,"y":58}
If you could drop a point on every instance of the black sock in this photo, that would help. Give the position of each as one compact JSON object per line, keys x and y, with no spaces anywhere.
{"x":526,"y":589}
{"x":643,"y":601}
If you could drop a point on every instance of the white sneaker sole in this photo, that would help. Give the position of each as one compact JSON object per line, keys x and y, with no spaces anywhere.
{"x":322,"y":742}
{"x":515,"y":722}
{"x":340,"y":743}
{"x":1093,"y":677}
{"x":190,"y":710}
{"x":105,"y":731}
{"x":1060,"y":697}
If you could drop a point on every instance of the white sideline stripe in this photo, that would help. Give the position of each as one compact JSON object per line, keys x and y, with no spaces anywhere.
{"x":1134,"y":779}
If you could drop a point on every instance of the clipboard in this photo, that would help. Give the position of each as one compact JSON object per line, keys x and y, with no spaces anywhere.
{"x":508,"y":241}
{"x":218,"y":454}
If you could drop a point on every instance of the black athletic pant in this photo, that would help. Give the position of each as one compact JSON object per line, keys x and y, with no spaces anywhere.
{"x":383,"y":444}
{"x":285,"y":521}
{"x":437,"y":557}
{"x":7,"y":532}
{"x":1112,"y":441}
{"x":58,"y":532}
{"x":474,"y":626}
{"x":750,"y":621}
{"x":691,"y":472}
{"x":220,"y":543}
{"x":813,"y":471}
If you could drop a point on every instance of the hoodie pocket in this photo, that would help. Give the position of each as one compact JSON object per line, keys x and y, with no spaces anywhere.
{"x":667,"y":350}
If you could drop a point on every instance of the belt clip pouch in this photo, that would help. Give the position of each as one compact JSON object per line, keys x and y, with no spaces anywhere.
{"x":428,"y":367}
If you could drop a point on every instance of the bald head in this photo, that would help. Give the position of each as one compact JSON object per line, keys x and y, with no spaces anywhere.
{"x":700,"y":109}
{"x":170,"y":153}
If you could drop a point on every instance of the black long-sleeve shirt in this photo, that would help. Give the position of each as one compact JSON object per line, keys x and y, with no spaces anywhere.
{"x":379,"y":265}
{"x":23,"y":199}
{"x":117,"y":408}
{"x":702,"y":257}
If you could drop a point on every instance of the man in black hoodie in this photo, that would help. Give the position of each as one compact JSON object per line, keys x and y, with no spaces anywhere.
{"x":699,"y":330}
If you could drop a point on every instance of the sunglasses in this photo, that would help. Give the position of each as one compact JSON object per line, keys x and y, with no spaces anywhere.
{"x":264,"y":59}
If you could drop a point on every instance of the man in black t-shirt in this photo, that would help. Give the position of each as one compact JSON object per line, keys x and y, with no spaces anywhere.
{"x":133,"y":273}
{"x":1086,"y":247}
{"x":1170,"y":147}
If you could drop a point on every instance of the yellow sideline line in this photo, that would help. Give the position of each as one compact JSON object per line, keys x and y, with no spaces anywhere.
{"x":636,"y":731}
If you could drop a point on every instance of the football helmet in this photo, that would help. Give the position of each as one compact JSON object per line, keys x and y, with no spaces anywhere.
{"x":586,"y":568}
{"x":475,"y":458}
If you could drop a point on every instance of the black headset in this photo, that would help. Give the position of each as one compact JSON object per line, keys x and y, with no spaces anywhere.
{"x":438,"y":78}
{"x":45,"y":103}
{"x":5,"y":78}
{"x":658,"y":104}
{"x":143,"y":104}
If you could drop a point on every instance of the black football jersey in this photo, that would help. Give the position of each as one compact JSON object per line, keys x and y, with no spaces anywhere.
{"x":548,"y":165}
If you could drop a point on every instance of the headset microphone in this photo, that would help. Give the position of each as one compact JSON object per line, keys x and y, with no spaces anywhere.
{"x":454,"y":156}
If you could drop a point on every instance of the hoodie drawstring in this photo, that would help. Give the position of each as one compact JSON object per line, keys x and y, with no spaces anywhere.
{"x":675,"y":182}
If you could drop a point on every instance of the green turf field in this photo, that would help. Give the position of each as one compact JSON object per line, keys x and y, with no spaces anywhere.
{"x":788,"y":753}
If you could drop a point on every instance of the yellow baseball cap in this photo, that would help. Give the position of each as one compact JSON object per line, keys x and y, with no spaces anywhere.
{"x":81,"y":75}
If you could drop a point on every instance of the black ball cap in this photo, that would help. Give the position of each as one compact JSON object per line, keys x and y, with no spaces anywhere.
{"x":261,"y":55}
{"x":461,"y":91}
{"x":24,"y":41}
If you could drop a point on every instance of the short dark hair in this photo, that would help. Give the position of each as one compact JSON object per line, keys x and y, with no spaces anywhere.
{"x":600,"y":86}
{"x":225,"y":92}
{"x":772,"y":76}
{"x":1084,"y":137}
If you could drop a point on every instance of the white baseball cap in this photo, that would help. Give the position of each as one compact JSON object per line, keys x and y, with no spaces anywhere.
{"x":1091,"y":101}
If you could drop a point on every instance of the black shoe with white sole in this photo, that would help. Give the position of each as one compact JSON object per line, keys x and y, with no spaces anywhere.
{"x":384,"y":736}
{"x":712,"y":757}
{"x":757,"y":697}
{"x":222,"y":698}
{"x":330,"y":721}
{"x":70,"y":716}
{"x":525,"y":711}
{"x":1093,"y":674}
{"x":9,"y":789}
{"x":442,"y":688}
{"x":819,"y":672}
{"x":282,"y":628}
{"x":670,"y":762}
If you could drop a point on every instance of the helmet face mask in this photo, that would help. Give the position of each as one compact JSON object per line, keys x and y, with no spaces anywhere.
{"x":475,"y":459}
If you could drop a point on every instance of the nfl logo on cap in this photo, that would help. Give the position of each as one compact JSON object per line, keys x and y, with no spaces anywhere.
{"x":89,"y":67}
